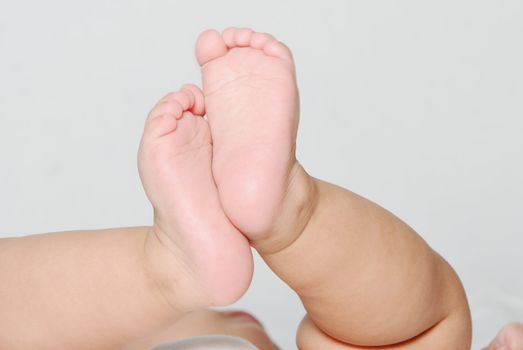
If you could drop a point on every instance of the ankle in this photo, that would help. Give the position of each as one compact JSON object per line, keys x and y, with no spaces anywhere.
{"x":170,"y":276}
{"x":296,"y":210}
{"x":217,"y":276}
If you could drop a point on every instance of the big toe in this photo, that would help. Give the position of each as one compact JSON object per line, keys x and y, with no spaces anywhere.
{"x":209,"y":46}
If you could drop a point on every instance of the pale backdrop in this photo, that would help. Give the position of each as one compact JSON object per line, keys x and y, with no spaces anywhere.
{"x":416,"y":105}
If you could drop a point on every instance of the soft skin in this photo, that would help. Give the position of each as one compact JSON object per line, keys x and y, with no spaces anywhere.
{"x":217,"y":186}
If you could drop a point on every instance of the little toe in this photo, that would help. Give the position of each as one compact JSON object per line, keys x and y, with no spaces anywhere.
{"x":277,"y":49}
{"x":210,"y":45}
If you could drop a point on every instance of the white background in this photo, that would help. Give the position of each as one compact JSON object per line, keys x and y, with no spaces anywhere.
{"x":416,"y":105}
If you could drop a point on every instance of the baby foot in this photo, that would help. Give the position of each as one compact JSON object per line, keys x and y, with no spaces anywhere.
{"x":251,"y":100}
{"x":175,"y":167}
